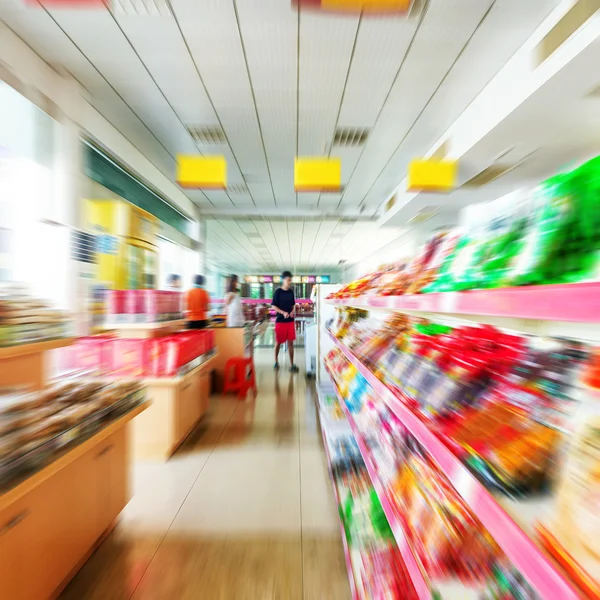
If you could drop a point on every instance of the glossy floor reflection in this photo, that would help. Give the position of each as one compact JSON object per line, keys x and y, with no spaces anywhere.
{"x":244,"y":510}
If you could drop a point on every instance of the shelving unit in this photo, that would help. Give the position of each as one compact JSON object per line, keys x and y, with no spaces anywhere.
{"x":77,"y":495}
{"x":178,"y":404}
{"x":342,"y":529}
{"x":543,"y":309}
{"x":412,"y":568}
{"x":519,"y":548}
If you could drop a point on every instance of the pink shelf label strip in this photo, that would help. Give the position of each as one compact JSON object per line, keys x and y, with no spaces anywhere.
{"x":575,"y":302}
{"x":524,"y":554}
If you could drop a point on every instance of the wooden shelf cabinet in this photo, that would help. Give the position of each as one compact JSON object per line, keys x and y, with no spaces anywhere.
{"x":51,"y":523}
{"x":177,"y":405}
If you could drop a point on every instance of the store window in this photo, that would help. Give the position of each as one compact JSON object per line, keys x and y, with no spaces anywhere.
{"x":34,"y":243}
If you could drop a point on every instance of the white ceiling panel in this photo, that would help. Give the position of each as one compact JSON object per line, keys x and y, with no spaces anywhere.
{"x":326,"y":43}
{"x":212,"y":33}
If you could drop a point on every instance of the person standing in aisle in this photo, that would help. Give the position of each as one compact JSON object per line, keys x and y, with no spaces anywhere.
{"x":233,"y":303}
{"x":284,"y":304}
{"x":174,"y":282}
{"x":197,"y":303}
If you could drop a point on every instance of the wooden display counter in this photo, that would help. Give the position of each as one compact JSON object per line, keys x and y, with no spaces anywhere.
{"x":52,"y":521}
{"x":144,"y":330}
{"x":178,"y":403}
{"x":27,"y":363}
{"x":231,"y":342}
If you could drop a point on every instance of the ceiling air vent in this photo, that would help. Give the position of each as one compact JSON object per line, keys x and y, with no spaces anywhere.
{"x":207,"y":136}
{"x":237,"y":188}
{"x":488,"y":175}
{"x":142,"y":8}
{"x":426,"y":213}
{"x":350,"y":137}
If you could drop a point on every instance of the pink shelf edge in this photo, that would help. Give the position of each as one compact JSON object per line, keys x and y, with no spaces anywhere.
{"x":412,"y":568}
{"x":349,"y":567}
{"x":573,"y":302}
{"x":519,"y":548}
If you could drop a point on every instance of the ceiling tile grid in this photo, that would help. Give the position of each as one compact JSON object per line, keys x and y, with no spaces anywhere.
{"x":213,"y":37}
{"x":380,"y":48}
{"x":38,"y":29}
{"x":438,"y":42}
{"x":490,"y":48}
{"x":326,"y":44}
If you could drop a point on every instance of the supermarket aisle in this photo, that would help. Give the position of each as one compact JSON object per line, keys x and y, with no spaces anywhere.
{"x":244,"y":510}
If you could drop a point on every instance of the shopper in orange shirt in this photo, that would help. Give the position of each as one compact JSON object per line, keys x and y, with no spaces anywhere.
{"x":197,"y":302}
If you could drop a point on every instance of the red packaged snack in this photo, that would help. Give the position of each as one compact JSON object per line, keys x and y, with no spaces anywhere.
{"x":130,"y":357}
{"x":115,"y":306}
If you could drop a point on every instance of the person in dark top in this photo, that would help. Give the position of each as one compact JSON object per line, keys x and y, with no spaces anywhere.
{"x":284,"y":304}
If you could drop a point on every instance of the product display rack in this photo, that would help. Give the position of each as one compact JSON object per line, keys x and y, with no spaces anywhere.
{"x":518,"y":547}
{"x":337,"y":505}
{"x":533,"y":308}
{"x":412,"y":568}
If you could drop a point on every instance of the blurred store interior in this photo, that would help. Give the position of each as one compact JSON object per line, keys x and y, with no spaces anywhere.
{"x":299,"y":299}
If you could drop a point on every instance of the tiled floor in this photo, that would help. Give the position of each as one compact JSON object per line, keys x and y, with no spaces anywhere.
{"x":243,"y":511}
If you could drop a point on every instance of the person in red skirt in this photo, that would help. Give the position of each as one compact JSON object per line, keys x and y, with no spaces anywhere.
{"x":284,"y":304}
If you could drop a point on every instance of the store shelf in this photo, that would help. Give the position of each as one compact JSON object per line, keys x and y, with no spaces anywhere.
{"x":412,"y":568}
{"x":144,"y":330}
{"x":576,"y":302}
{"x":342,"y":528}
{"x":519,"y":548}
{"x":33,"y":348}
{"x":177,"y":380}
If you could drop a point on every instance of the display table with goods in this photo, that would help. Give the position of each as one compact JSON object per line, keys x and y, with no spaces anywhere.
{"x":64,"y":473}
{"x":28,"y":329}
{"x":374,"y":562}
{"x":502,"y":423}
{"x":176,"y":370}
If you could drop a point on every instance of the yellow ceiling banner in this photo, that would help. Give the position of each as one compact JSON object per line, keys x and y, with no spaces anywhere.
{"x":201,"y":172}
{"x":379,"y":6}
{"x":432,"y":175}
{"x":312,"y":174}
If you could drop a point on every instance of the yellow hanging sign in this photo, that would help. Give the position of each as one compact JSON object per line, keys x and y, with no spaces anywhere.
{"x":432,"y":175}
{"x":379,"y":6}
{"x":317,"y":174}
{"x":204,"y":172}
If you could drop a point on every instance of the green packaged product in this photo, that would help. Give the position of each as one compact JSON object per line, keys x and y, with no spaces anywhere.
{"x":379,"y":521}
{"x":545,"y":254}
{"x":501,"y":251}
{"x":444,"y":282}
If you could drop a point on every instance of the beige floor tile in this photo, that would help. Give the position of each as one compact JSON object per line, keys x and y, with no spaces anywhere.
{"x":319,"y":511}
{"x":115,"y":569}
{"x":245,"y":489}
{"x":193,"y":568}
{"x":324,"y":568}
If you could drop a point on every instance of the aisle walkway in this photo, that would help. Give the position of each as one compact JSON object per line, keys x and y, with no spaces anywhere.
{"x":243,"y":511}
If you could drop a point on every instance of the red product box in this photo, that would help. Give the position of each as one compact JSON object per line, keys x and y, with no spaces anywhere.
{"x":171,"y":355}
{"x":150,"y":305}
{"x":210,"y":339}
{"x":115,"y":305}
{"x":129,"y":358}
{"x":134,"y":304}
{"x":90,"y":353}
